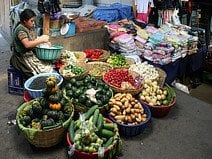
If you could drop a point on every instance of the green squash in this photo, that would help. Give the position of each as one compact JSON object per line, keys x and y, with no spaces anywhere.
{"x":25,"y":120}
{"x":47,"y":122}
{"x":29,"y":112}
{"x":43,"y":102}
{"x":36,"y":107}
{"x":61,"y":116}
{"x":53,"y":114}
{"x":54,"y":98}
{"x":63,"y":101}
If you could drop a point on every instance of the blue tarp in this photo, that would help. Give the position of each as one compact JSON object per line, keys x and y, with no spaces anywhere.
{"x":114,"y":12}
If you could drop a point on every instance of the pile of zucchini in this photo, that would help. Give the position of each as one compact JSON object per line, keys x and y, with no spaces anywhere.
{"x":92,"y":131}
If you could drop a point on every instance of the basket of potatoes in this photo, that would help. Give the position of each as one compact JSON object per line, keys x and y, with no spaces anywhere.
{"x":129,"y":114}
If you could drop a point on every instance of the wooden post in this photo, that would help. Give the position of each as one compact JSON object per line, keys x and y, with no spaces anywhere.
{"x":46,"y":24}
{"x":134,"y":8}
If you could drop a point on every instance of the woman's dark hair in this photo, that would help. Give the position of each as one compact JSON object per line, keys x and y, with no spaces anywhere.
{"x":26,"y":15}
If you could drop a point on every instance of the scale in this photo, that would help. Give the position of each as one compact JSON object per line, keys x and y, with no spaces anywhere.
{"x":68,"y":28}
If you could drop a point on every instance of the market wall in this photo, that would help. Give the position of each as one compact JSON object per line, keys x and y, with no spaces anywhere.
{"x":5,"y":11}
{"x":4,"y":20}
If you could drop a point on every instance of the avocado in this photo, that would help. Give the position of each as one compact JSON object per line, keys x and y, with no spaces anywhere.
{"x":69,"y":93}
{"x":68,"y":86}
{"x":109,"y":94}
{"x":106,"y":86}
{"x":89,"y":103}
{"x":79,"y":83}
{"x":73,"y":81}
{"x":82,"y":98}
{"x":77,"y":93}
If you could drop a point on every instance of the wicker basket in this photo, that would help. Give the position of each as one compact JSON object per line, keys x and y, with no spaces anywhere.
{"x":79,"y":108}
{"x":135,"y":76}
{"x":48,"y":53}
{"x":81,"y":76}
{"x":131,"y":91}
{"x":102,"y":58}
{"x":162,"y":76}
{"x":129,"y":61}
{"x":98,"y":69}
{"x":43,"y":138}
{"x":80,"y":55}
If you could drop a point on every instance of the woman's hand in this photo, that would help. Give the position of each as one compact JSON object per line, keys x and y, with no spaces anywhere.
{"x":31,"y":44}
{"x":44,"y":38}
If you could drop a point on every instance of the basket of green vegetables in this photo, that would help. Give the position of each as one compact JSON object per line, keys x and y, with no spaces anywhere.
{"x":93,"y":136}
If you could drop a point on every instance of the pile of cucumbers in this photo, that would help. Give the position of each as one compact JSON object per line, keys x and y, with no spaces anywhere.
{"x":92,"y":131}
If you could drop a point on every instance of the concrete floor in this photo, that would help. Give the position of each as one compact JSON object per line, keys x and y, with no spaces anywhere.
{"x":186,"y":132}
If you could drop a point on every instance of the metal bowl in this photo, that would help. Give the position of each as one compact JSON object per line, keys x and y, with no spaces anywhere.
{"x":70,"y":15}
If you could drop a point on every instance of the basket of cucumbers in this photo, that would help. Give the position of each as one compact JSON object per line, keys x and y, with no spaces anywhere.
{"x":93,"y":136}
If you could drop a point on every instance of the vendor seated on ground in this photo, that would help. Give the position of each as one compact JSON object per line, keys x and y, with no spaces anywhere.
{"x":24,"y":42}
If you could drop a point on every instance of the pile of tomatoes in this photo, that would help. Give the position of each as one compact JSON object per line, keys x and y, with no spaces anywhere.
{"x":115,"y":77}
{"x":93,"y":53}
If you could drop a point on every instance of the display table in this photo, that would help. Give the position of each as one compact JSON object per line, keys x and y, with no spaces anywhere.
{"x":183,"y":66}
{"x":96,"y":39}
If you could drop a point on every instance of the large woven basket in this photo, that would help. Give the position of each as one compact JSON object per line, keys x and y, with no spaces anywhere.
{"x":135,"y":76}
{"x":98,"y":69}
{"x":162,"y":76}
{"x":81,"y":76}
{"x":43,"y":138}
{"x":129,"y":61}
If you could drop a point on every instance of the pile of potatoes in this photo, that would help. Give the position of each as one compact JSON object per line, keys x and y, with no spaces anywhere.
{"x":125,"y":109}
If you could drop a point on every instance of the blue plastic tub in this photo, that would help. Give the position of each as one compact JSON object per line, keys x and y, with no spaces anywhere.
{"x":133,"y":130}
{"x":51,"y":53}
{"x":38,"y":93}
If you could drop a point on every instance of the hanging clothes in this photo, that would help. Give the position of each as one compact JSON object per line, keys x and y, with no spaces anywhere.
{"x":143,"y":10}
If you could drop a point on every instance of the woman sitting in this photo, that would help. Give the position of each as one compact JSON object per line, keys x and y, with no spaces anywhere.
{"x":24,"y":42}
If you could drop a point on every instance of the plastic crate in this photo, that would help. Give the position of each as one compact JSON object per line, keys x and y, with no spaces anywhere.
{"x":16,"y":90}
{"x":15,"y":81}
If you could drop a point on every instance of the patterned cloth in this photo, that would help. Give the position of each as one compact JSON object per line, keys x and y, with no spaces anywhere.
{"x":24,"y":59}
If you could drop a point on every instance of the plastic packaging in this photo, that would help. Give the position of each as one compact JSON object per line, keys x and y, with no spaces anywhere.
{"x":71,"y":150}
{"x":181,"y":87}
{"x":101,"y":152}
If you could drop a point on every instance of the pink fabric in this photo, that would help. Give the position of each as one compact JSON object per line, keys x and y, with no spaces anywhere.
{"x":143,"y":17}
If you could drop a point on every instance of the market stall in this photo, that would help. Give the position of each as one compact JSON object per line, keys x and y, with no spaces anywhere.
{"x":99,"y":98}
